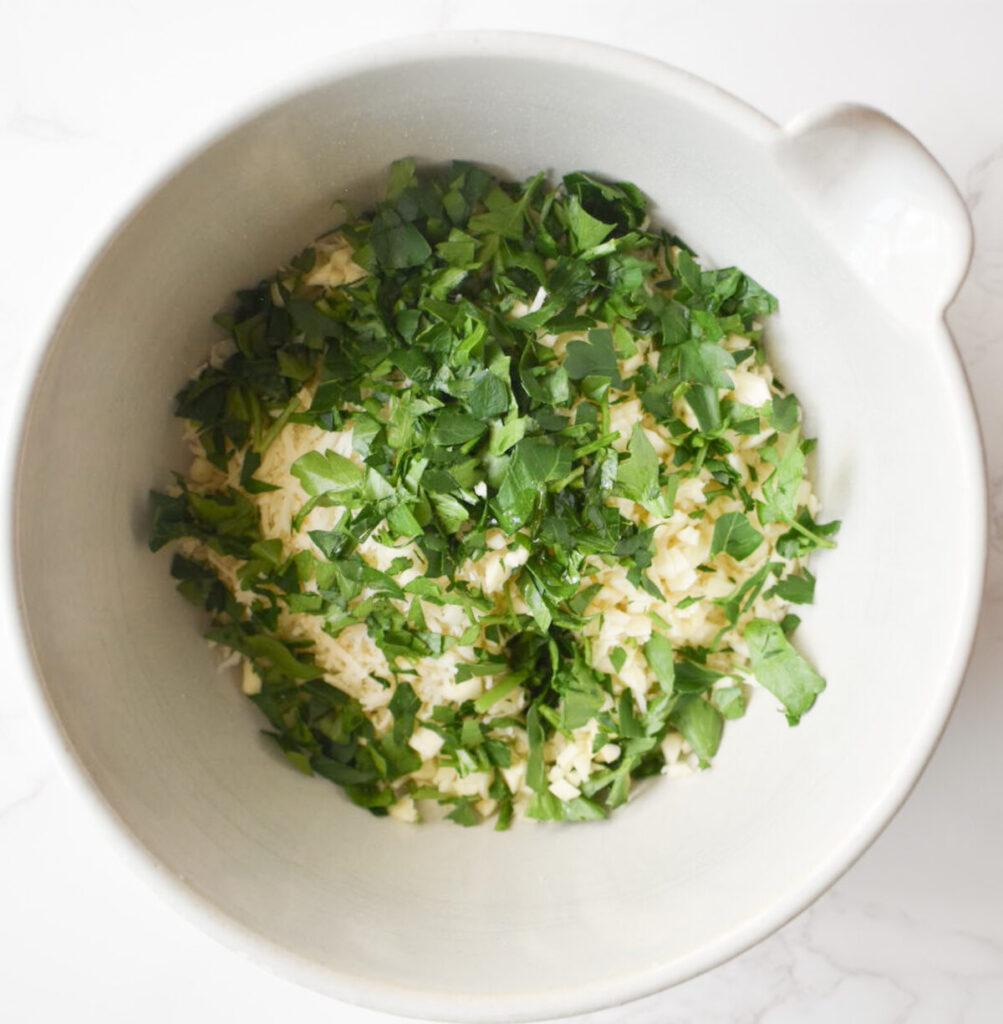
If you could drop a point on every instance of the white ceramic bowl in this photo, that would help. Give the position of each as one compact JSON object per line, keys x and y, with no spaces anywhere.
{"x":857,"y":230}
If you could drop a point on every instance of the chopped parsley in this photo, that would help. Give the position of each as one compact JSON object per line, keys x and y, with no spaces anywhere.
{"x":479,"y":354}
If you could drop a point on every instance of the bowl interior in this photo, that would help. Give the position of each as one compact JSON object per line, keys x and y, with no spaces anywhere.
{"x":542,"y":919}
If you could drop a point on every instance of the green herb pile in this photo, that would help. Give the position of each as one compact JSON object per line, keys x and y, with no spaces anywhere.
{"x":465,"y":421}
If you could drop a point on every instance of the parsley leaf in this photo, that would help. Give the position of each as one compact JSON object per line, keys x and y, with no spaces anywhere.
{"x":658,"y":652}
{"x":780,"y":488}
{"x":700,"y":723}
{"x":734,"y":536}
{"x":798,"y":588}
{"x":320,"y":473}
{"x":704,"y":362}
{"x":586,"y":231}
{"x":594,"y":357}
{"x":637,"y":475}
{"x":779,"y":668}
{"x":397,"y":243}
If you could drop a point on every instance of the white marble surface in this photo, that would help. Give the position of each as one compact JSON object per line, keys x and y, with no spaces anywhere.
{"x":96,"y":98}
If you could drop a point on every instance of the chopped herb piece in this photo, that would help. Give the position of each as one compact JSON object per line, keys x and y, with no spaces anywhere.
{"x":701,"y":725}
{"x":734,"y":535}
{"x":658,"y":652}
{"x":780,"y":669}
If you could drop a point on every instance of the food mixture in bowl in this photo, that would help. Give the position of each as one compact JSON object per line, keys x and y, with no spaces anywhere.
{"x":497,"y":501}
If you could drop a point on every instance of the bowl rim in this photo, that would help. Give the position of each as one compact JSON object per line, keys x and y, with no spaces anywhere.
{"x":198,"y":907}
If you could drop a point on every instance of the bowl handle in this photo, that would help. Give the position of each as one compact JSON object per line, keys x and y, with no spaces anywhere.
{"x":886,"y":204}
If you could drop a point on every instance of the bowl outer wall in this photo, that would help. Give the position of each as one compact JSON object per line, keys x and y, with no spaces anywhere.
{"x":641,"y":933}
